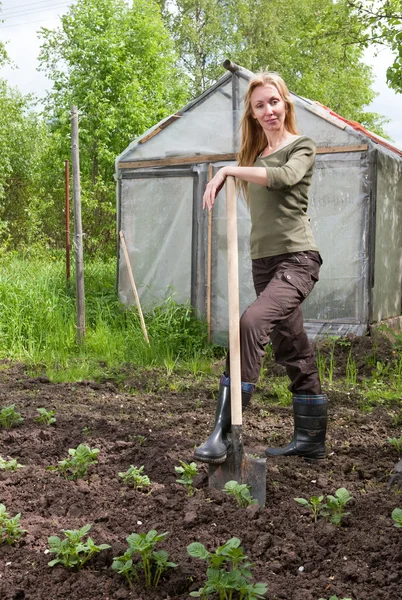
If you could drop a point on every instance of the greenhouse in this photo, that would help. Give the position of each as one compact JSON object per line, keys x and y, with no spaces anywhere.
{"x":177,"y":249}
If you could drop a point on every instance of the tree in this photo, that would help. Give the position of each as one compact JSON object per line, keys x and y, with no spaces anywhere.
{"x":383,"y":26}
{"x":301,"y":39}
{"x":22,"y":139}
{"x":117,"y":64}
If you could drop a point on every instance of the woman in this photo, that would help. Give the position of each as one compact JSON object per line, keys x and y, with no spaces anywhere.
{"x":275,"y":170}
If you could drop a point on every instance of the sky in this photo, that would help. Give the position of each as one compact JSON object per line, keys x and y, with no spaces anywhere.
{"x":22,"y":19}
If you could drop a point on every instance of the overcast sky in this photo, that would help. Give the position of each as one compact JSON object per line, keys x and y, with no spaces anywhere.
{"x":22,"y":19}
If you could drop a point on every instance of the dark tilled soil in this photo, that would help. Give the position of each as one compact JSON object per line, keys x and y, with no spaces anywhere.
{"x":299,"y":560}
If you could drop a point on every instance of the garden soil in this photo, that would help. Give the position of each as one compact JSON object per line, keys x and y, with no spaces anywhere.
{"x":154,"y":419}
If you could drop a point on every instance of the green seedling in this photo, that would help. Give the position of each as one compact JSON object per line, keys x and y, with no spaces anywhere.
{"x":132,"y":477}
{"x":228,"y":571}
{"x":73,"y":551}
{"x":241,"y":492}
{"x":336,"y":598}
{"x":334,"y":508}
{"x":315,"y":505}
{"x":10,"y":530}
{"x":153,"y":564}
{"x":77,"y":465}
{"x":397,"y":517}
{"x":9,"y":465}
{"x":187,"y":472}
{"x":9,"y":417}
{"x":46,"y":417}
{"x":396,"y":443}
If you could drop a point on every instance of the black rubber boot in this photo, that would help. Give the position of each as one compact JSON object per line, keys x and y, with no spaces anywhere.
{"x":214,"y":450}
{"x":310,"y":427}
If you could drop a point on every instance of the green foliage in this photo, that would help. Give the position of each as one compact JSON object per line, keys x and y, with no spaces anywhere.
{"x":311,"y":52}
{"x":152,"y":563}
{"x":187,"y":472}
{"x":396,"y":443}
{"x":334,"y":508}
{"x":382,"y":20}
{"x":46,"y":417}
{"x":76,"y":466}
{"x":10,"y":530}
{"x":73,"y":551}
{"x":315,"y":504}
{"x":134,"y":477}
{"x":22,"y":140}
{"x":280,"y":391}
{"x":241,"y":492}
{"x":38,"y":318}
{"x":397,"y":517}
{"x":9,"y":465}
{"x":9,"y":417}
{"x":351,"y":370}
{"x":228,"y":571}
{"x":114,"y":61}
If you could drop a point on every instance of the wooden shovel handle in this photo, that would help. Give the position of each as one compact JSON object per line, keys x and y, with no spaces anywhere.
{"x":233,"y":302}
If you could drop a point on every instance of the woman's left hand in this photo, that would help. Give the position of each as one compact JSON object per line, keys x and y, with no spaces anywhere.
{"x":213,"y":188}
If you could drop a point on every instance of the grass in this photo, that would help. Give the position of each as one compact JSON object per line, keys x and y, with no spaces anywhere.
{"x":38,"y":324}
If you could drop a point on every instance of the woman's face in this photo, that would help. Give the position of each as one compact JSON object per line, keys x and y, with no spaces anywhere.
{"x":268,"y":108}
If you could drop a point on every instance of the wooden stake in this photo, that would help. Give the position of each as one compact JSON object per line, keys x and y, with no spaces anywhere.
{"x":131,"y":277}
{"x":78,"y":244}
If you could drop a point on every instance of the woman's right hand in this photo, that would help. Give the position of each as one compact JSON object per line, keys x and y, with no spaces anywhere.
{"x":213,"y":188}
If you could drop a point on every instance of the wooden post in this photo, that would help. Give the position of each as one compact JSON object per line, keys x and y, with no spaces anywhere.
{"x":78,"y":244}
{"x":68,"y":247}
{"x":233,"y":302}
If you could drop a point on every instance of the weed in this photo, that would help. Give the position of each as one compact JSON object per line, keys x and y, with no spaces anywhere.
{"x":228,"y":571}
{"x":281,"y":391}
{"x":10,"y":530}
{"x":241,"y":492}
{"x":187,"y":472}
{"x":46,"y":417}
{"x":315,"y":504}
{"x":9,"y":465}
{"x":396,"y":443}
{"x":9,"y":417}
{"x":336,"y":598}
{"x":334,"y":508}
{"x":351,"y":370}
{"x":397,"y":517}
{"x":138,"y":438}
{"x":73,"y":551}
{"x":76,"y":467}
{"x":134,"y":477}
{"x":321,"y":362}
{"x":152,"y":563}
{"x":331,"y":366}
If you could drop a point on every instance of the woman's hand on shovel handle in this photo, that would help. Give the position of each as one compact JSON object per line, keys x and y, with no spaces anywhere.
{"x":213,"y":188}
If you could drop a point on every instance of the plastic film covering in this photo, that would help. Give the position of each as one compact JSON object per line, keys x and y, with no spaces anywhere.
{"x":388,"y":241}
{"x":205,"y":129}
{"x":156,"y":219}
{"x":339,"y":211}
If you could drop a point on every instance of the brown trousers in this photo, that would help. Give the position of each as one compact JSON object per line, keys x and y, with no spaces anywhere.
{"x":281,"y":284}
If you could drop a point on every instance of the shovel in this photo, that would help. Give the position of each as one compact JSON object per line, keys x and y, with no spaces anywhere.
{"x":238,"y":466}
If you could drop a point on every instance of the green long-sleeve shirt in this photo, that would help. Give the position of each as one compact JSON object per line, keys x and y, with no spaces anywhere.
{"x":279,"y":220}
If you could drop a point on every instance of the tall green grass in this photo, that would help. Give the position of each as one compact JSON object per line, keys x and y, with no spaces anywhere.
{"x":38,"y":323}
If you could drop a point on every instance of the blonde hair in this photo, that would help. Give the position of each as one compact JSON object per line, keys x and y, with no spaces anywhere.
{"x":253,"y":139}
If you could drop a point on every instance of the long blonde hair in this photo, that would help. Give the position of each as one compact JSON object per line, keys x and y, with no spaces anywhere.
{"x":253,"y":139}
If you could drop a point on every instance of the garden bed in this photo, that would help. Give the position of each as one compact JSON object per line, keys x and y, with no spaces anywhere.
{"x":154,"y":420}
